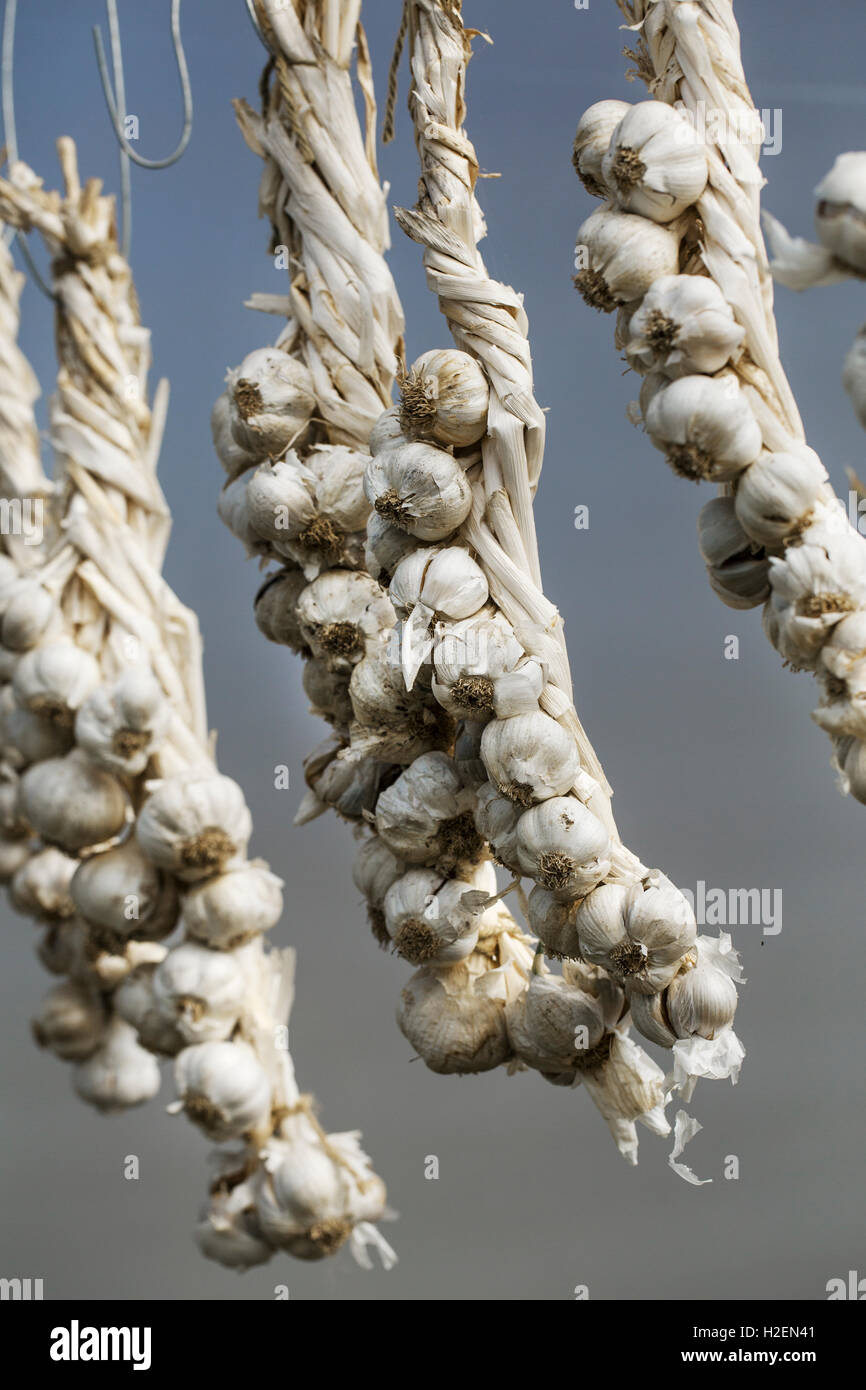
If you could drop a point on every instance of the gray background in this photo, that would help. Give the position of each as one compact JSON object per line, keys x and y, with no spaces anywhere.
{"x":719,"y":774}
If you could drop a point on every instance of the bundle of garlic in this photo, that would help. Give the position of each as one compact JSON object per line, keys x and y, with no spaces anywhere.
{"x":136,"y":831}
{"x":840,"y":221}
{"x":677,"y":251}
{"x":455,"y":736}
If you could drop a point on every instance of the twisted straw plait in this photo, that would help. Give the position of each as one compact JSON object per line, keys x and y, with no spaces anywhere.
{"x":104,"y":571}
{"x":688,"y":53}
{"x":21,"y":473}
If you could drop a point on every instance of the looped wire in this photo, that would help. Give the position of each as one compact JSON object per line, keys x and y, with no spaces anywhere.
{"x":7,"y":88}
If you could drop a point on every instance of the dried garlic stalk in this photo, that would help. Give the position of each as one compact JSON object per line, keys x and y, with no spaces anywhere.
{"x":130,"y":829}
{"x":677,"y":250}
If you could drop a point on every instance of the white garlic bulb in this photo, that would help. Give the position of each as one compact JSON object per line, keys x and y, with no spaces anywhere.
{"x":660,"y":918}
{"x":840,"y":216}
{"x":194,"y":824}
{"x":496,"y":819}
{"x":281,"y":497}
{"x":228,"y":1230}
{"x":73,"y":803}
{"x":390,"y":721}
{"x":683,"y":325}
{"x":40,"y":888}
{"x":656,"y":163}
{"x":445,"y":581}
{"x":425,"y":816}
{"x":844,"y":651}
{"x":738,"y":571}
{"x":339,"y":474}
{"x":453,"y":1027}
{"x":813,"y":588}
{"x":233,"y":510}
{"x":272,"y":401}
{"x":124,"y":893}
{"x":374,"y":870}
{"x":385,"y":547}
{"x":623,"y":256}
{"x":120,"y":1073}
{"x":649,"y":1016}
{"x":234,"y":459}
{"x":553,"y":922}
{"x":428,"y":920}
{"x":223,"y":1088}
{"x":14,"y":854}
{"x":854,"y":375}
{"x":122,"y":724}
{"x":775,"y":496}
{"x":556,"y":1028}
{"x":444,"y":396}
{"x":133,"y":1001}
{"x":70,"y":1022}
{"x":701,"y":1000}
{"x":564,"y":847}
{"x":420,"y":488}
{"x":26,"y":737}
{"x":200,"y":991}
{"x":327,"y":690}
{"x":29,"y":613}
{"x":705,"y":427}
{"x":530,"y":757}
{"x":275,"y":608}
{"x":387,"y":432}
{"x":592,"y":142}
{"x":54,"y":680}
{"x":638,"y":934}
{"x":225,"y":911}
{"x":341,"y":614}
{"x":480,"y":668}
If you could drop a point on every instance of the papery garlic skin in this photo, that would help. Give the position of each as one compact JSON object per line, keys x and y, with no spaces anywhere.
{"x":122,"y":724}
{"x":624,"y":255}
{"x":453,"y":1027}
{"x":656,"y":164}
{"x":705,"y":427}
{"x":272,"y":401}
{"x":119,"y":1074}
{"x":420,"y":488}
{"x":200,"y":991}
{"x":228,"y":1230}
{"x":223,"y":1088}
{"x":812,"y":592}
{"x":225,"y":911}
{"x":592,"y":142}
{"x":73,"y":803}
{"x":840,"y":216}
{"x":195,"y":824}
{"x":776,"y":495}
{"x":684,"y":324}
{"x":70,"y":1022}
{"x":629,"y":1087}
{"x":428,"y":920}
{"x":530,"y":757}
{"x":564,"y":847}
{"x":124,"y":893}
{"x":425,"y":816}
{"x":445,"y":396}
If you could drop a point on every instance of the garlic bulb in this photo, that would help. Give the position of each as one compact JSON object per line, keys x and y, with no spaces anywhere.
{"x":327,"y":691}
{"x":496,"y":819}
{"x":840,"y":216}
{"x":228,"y":1230}
{"x":553,"y":922}
{"x":812,"y":592}
{"x":467,"y":754}
{"x":592,"y":142}
{"x":275,"y":608}
{"x":73,"y":803}
{"x":28,"y":738}
{"x":374,"y":869}
{"x":659,"y":917}
{"x":737,"y":568}
{"x":122,"y":724}
{"x":649,"y":1016}
{"x":385,"y":547}
{"x":14,"y":854}
{"x":119,"y":1074}
{"x":428,"y":920}
{"x":564,"y":847}
{"x":225,"y":911}
{"x":281,"y":499}
{"x":556,"y":1029}
{"x":452,"y":1026}
{"x":53,"y":681}
{"x":70,"y":1022}
{"x":122,"y":892}
{"x":272,"y":401}
{"x":425,"y":816}
{"x":339,"y":474}
{"x":530,"y":757}
{"x":444,"y":396}
{"x":200,"y":991}
{"x":701,"y":1000}
{"x":311,"y":1192}
{"x":28,"y":614}
{"x":11,"y":823}
{"x":41,"y":887}
{"x":705,"y":428}
{"x":233,"y":509}
{"x":775,"y":497}
{"x":133,"y":1001}
{"x":656,"y":162}
{"x":683,"y":325}
{"x":624,"y":256}
{"x":480,"y":668}
{"x":420,"y":488}
{"x":854,"y":375}
{"x":194,"y":824}
{"x":387,"y":432}
{"x":446,"y":581}
{"x":223,"y":1088}
{"x":844,"y":651}
{"x":341,"y":614}
{"x":638,"y":934}
{"x":234,"y":459}
{"x":390,"y":721}
{"x":853,"y":766}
